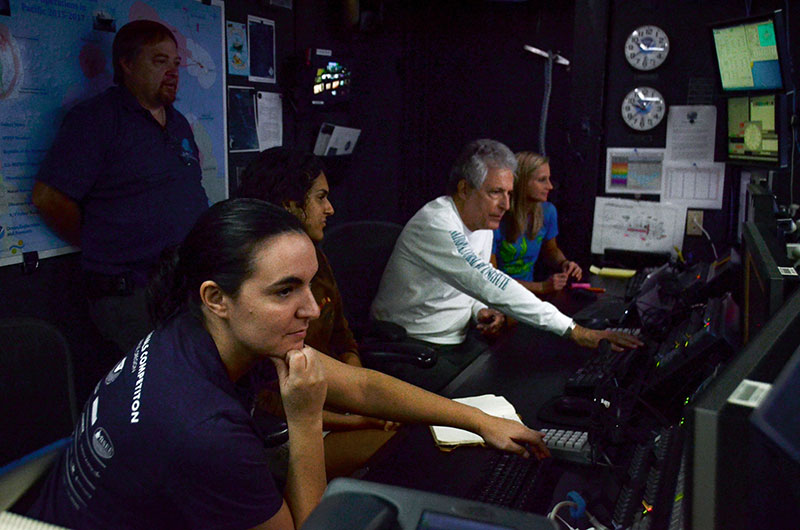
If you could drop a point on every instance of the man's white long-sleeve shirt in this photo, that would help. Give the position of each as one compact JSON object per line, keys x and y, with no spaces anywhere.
{"x":439,"y":277}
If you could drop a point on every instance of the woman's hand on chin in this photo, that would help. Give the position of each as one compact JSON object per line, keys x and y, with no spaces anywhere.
{"x":302,"y":383}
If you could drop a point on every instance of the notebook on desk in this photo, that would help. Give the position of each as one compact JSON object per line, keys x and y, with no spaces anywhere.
{"x":448,"y":438}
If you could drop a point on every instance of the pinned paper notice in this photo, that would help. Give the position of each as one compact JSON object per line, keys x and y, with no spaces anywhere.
{"x":690,"y":133}
{"x":335,"y":140}
{"x":694,"y":185}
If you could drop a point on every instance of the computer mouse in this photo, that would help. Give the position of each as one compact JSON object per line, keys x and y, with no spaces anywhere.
{"x":573,"y":406}
{"x":594,"y":323}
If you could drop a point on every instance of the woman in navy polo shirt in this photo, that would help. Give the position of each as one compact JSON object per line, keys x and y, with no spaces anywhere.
{"x":167,"y":438}
{"x":529,"y":229}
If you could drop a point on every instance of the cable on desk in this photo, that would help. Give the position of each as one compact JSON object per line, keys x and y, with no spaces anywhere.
{"x":570,"y":504}
{"x":658,"y":415}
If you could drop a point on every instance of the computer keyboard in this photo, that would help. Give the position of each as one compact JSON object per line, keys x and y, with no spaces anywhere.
{"x":569,"y":445}
{"x":689,"y":338}
{"x":690,"y":352}
{"x":515,"y":482}
{"x":636,"y":281}
{"x":647,"y":497}
{"x":596,"y":371}
{"x":636,"y":332}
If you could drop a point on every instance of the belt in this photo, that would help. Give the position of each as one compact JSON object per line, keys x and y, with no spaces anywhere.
{"x":99,"y":285}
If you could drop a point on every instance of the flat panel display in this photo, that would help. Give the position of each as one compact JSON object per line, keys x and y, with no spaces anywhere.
{"x":753,"y":129}
{"x":749,"y":54}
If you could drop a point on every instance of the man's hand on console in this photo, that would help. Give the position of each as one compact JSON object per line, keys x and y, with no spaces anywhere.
{"x":490,"y":321}
{"x":590,"y":338}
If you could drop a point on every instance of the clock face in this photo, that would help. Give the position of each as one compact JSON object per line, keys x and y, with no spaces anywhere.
{"x":643,"y":108}
{"x":646,"y":47}
{"x":752,"y":136}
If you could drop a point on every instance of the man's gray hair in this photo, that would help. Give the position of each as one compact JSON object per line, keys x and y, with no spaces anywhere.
{"x":476,"y":159}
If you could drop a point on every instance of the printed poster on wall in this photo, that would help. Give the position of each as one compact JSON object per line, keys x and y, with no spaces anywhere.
{"x":238,"y":58}
{"x":261,"y":40}
{"x":242,"y":135}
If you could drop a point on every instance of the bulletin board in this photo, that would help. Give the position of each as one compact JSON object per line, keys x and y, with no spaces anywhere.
{"x":56,"y":53}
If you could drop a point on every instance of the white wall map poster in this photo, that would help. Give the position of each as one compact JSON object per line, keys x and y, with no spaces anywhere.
{"x":56,"y":54}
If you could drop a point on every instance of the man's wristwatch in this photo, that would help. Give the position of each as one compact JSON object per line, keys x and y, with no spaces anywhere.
{"x":571,"y":326}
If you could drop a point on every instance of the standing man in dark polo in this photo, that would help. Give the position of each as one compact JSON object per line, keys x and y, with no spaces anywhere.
{"x":123,"y":180}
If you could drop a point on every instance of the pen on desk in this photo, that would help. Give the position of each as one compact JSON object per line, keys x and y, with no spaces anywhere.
{"x":596,"y":289}
{"x":587,"y":287}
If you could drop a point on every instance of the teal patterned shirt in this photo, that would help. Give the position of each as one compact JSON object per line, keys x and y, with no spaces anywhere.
{"x":517,"y":259}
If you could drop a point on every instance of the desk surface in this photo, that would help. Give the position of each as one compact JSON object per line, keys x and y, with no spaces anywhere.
{"x":527,"y":366}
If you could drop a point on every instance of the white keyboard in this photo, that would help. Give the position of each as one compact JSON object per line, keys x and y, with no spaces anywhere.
{"x":13,"y":521}
{"x":569,"y":445}
{"x":636,"y":332}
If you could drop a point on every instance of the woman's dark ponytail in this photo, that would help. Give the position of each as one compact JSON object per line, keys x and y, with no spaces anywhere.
{"x":166,"y":291}
{"x":219,"y":248}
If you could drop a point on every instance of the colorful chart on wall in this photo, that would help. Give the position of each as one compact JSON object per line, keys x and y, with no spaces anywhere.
{"x":56,"y":54}
{"x":634,"y":170}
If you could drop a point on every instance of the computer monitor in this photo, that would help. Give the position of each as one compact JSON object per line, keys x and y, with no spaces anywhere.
{"x":330,"y":80}
{"x":758,"y":130}
{"x":736,"y":479}
{"x":752,"y":53}
{"x":768,"y":276}
{"x":18,"y":476}
{"x":761,"y":206}
{"x":778,"y":416}
{"x":355,"y":504}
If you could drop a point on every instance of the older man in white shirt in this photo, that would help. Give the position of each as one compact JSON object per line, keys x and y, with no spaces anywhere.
{"x":439,"y":278}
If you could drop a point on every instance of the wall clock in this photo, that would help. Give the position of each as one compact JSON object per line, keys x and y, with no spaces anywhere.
{"x":646,"y":47}
{"x":643,"y":108}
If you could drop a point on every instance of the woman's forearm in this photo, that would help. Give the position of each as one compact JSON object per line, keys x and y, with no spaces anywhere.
{"x":534,"y":287}
{"x":305,"y":480}
{"x":335,"y":421}
{"x":554,"y":258}
{"x":378,"y":395}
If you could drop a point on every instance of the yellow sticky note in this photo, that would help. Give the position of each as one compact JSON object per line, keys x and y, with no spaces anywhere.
{"x":611,"y":272}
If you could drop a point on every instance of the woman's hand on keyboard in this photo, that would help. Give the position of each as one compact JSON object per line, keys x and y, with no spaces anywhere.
{"x":514,"y":437}
{"x":590,"y":338}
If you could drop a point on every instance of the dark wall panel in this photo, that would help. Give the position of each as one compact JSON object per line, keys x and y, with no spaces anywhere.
{"x":468,"y":76}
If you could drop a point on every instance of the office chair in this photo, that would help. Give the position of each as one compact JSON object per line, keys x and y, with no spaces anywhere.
{"x":38,"y":407}
{"x":358,"y":252}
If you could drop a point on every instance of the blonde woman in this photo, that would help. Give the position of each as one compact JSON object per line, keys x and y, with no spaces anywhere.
{"x":529,"y":229}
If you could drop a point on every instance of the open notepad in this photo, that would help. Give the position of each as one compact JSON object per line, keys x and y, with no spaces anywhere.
{"x":447,"y":438}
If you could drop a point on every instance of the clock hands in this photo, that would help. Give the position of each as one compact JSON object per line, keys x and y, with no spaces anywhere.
{"x":643,"y":108}
{"x":646,"y":48}
{"x":642,"y":97}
